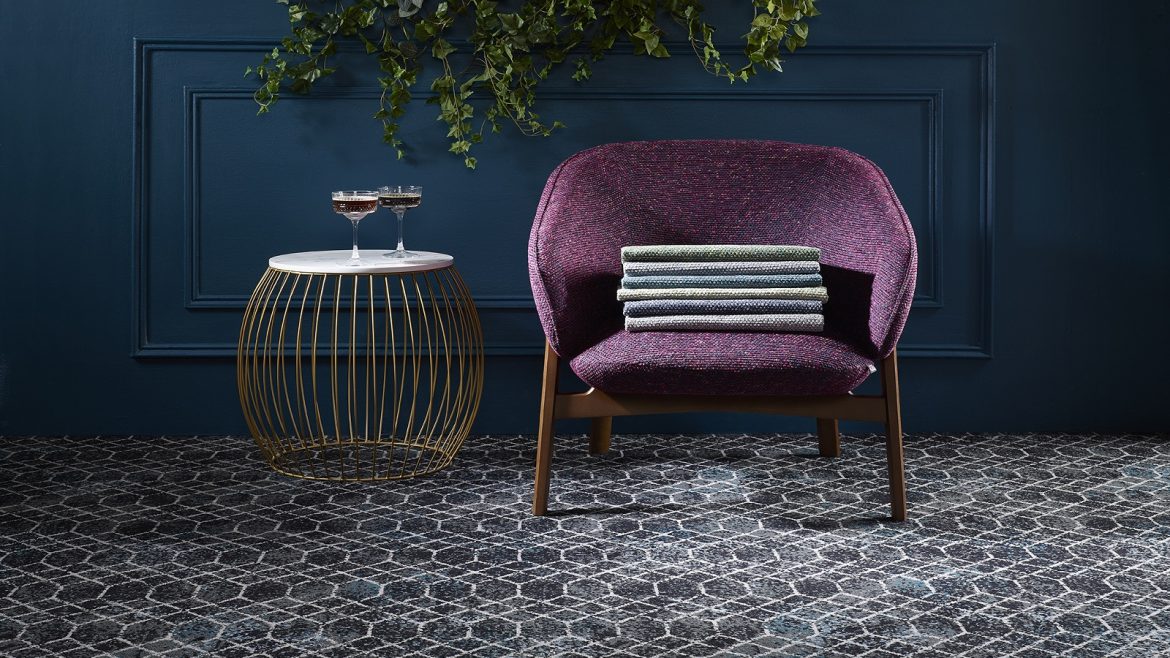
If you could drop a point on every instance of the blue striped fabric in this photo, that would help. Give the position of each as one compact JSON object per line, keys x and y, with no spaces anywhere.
{"x":652,"y":307}
{"x":729,"y":281}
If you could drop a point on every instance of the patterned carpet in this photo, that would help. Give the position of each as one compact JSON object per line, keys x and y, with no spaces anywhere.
{"x":1030,"y":545}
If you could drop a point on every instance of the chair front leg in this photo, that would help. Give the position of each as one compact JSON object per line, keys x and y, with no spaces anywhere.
{"x":544,"y":434}
{"x":894,"y":457}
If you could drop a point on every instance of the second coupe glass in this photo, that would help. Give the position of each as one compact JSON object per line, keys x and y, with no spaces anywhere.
{"x":398,"y":199}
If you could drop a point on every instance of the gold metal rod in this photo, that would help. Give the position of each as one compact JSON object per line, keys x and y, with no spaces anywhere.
{"x":446,"y":323}
{"x":408,"y":339}
{"x":416,"y":361}
{"x":270,"y":305}
{"x":243,"y":372}
{"x":252,"y":364}
{"x":351,"y":380}
{"x":370,"y":380}
{"x":302,"y":399}
{"x":243,"y":349}
{"x":475,"y":352}
{"x":320,"y":440}
{"x":468,"y":378}
{"x":448,"y":405}
{"x":446,"y":326}
{"x":333,"y":377}
{"x":425,"y":426}
{"x":302,"y":411}
{"x":455,"y":362}
{"x":439,"y":427}
{"x":299,"y":411}
{"x":396,"y":387}
{"x":462,"y":340}
{"x":272,"y":351}
{"x":474,"y":348}
{"x":407,"y":330}
{"x":388,"y":352}
{"x":282,"y":392}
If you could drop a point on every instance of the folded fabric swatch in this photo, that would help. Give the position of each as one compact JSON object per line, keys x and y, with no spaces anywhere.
{"x":720,"y":306}
{"x":729,"y":281}
{"x":716,"y":267}
{"x":816,"y":293}
{"x":776,"y":322}
{"x":718,"y":252}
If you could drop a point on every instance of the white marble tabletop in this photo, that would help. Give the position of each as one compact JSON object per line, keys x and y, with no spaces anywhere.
{"x":372,"y":261}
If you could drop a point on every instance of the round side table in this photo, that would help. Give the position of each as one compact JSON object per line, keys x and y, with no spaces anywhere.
{"x":367,"y":372}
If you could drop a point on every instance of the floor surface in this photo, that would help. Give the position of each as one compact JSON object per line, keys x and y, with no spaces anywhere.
{"x":668,"y":546}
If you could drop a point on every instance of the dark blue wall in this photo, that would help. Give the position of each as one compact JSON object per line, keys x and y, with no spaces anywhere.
{"x":141,"y":198}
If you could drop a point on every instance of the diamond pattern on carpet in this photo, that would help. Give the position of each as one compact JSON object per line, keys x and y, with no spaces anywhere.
{"x":685,"y":545}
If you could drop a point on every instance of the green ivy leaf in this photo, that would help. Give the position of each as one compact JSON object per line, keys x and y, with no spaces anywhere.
{"x":441,"y":49}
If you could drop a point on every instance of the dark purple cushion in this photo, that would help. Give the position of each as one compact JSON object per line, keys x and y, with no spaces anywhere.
{"x":707,"y":363}
{"x":720,"y":191}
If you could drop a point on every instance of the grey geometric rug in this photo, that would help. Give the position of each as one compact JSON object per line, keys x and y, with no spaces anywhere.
{"x":1037,"y":545}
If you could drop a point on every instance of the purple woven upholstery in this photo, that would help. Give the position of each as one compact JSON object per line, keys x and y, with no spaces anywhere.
{"x":697,"y":363}
{"x":720,"y":192}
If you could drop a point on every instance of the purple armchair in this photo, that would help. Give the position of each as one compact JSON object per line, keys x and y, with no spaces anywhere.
{"x":721,"y":192}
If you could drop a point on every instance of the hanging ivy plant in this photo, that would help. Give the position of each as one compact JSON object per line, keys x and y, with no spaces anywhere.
{"x":509,"y":53}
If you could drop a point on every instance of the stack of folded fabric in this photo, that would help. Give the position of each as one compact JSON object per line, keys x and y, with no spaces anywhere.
{"x":722,"y":288}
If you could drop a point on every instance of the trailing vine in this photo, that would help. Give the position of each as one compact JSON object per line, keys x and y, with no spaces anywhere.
{"x":494,"y":81}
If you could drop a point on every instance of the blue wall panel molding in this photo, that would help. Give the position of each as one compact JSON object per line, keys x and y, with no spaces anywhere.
{"x":931,"y":100}
{"x":179,"y":88}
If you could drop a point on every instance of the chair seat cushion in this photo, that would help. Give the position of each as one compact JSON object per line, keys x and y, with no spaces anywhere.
{"x":716,"y":363}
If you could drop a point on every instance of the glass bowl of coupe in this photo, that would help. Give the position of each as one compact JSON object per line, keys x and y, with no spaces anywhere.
{"x":355,"y":205}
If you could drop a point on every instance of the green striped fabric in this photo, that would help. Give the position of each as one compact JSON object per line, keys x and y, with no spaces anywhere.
{"x":718,"y":252}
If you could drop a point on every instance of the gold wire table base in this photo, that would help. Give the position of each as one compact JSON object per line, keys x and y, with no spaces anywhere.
{"x":360,"y":377}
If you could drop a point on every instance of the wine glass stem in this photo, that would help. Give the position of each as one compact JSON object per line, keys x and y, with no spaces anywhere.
{"x":400,"y":213}
{"x":354,"y":255}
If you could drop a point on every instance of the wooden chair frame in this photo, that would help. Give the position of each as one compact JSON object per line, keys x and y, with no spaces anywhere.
{"x":601,"y":407}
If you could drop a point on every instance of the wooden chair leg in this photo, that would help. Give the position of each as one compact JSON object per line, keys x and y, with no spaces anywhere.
{"x":894,"y":457}
{"x":599,"y":432}
{"x":830,"y":437}
{"x":544,"y":433}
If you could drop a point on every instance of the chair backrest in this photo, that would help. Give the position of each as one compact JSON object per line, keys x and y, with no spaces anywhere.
{"x":720,"y":192}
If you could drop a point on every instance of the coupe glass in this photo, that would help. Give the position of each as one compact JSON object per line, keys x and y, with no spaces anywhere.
{"x":355,"y":205}
{"x":399,"y":199}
